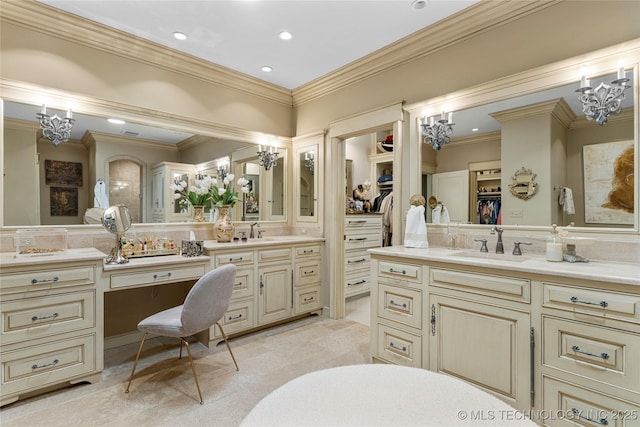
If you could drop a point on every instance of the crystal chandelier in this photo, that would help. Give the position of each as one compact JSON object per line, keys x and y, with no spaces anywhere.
{"x":437,"y":133}
{"x":54,"y":128}
{"x":309,"y":161}
{"x":599,"y":103}
{"x":267,"y":158}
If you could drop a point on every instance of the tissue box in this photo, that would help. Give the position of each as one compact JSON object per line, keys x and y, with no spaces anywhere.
{"x":37,"y":242}
{"x":192,"y":247}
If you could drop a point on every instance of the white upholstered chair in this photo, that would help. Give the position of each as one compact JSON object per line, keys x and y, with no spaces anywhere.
{"x":204,"y":306}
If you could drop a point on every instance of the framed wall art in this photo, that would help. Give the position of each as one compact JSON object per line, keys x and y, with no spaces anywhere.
{"x":63,"y":201}
{"x":608,"y":183}
{"x":58,"y":172}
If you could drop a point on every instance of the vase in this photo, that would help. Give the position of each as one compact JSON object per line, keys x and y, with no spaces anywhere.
{"x":223,"y":229}
{"x":198,"y":213}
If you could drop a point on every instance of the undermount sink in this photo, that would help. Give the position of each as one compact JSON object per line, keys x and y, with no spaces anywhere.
{"x":489,"y":256}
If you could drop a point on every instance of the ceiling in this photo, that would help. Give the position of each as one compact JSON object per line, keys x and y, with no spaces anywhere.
{"x":243,"y":34}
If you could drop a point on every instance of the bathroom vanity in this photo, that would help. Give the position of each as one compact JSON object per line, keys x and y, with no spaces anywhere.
{"x":559,"y":338}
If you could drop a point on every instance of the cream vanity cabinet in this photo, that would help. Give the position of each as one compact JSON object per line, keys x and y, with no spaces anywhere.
{"x":164,"y":207}
{"x":557,"y":343}
{"x":51,"y":321}
{"x":274,"y":282}
{"x":362,"y":232}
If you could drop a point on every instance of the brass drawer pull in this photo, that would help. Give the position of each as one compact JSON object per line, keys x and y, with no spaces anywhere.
{"x":403,"y":348}
{"x":578,"y":413}
{"x":602,"y":304}
{"x":575,"y":348}
{"x":239,"y":316}
{"x":392,"y":302}
{"x":357,"y":283}
{"x":357,"y":261}
{"x":391,"y":270}
{"x":51,"y":316}
{"x":55,"y":362}
{"x":161,"y":276}
{"x":55,"y":279}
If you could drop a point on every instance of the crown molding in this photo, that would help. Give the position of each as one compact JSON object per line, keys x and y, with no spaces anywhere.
{"x":624,"y":115}
{"x":31,"y":14}
{"x":463,"y":25}
{"x":474,"y":139}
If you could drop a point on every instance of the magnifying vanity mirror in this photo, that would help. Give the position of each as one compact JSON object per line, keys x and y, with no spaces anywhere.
{"x":137,"y":162}
{"x":117,"y":220}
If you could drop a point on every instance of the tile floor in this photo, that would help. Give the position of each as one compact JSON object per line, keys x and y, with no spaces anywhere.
{"x":163,"y":392}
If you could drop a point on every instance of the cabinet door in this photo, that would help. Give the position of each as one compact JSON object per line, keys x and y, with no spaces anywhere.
{"x":485,"y":345}
{"x":275,"y":294}
{"x":175,"y":210}
{"x":452,"y":189}
{"x":157,"y":196}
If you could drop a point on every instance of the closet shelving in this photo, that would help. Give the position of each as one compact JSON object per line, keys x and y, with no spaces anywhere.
{"x":486,"y":195}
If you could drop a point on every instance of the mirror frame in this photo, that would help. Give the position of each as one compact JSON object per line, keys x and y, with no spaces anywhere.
{"x":36,"y":95}
{"x":564,"y":72}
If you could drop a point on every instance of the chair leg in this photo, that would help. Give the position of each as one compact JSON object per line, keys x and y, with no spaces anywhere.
{"x":180,"y":356}
{"x":136,"y":362}
{"x":228,"y":347}
{"x":193,"y":368}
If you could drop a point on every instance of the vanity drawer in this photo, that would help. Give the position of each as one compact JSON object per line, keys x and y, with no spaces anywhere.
{"x":400,"y":271}
{"x":159,"y":276}
{"x":38,"y":366}
{"x":601,"y":304}
{"x":308,"y":251}
{"x":356,"y":282}
{"x":239,"y":317}
{"x":399,"y":347}
{"x":307,"y":273}
{"x":237,"y":258}
{"x":360,"y":240}
{"x":360,"y":223}
{"x":574,"y":405}
{"x":602,"y":354}
{"x":45,"y":279}
{"x":244,"y":285}
{"x":31,"y":318}
{"x":356,"y":261}
{"x":401,"y":305}
{"x":510,"y":288}
{"x":269,"y":255}
{"x":306,"y":300}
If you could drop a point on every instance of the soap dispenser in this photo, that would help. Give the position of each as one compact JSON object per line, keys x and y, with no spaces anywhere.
{"x":554,"y":246}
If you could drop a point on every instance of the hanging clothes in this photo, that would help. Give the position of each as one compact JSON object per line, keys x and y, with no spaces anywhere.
{"x":386,"y":209}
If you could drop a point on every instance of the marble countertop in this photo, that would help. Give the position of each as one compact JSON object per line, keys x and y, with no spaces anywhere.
{"x":212,"y":245}
{"x":9,"y":259}
{"x":154,"y":261}
{"x":623,"y":273}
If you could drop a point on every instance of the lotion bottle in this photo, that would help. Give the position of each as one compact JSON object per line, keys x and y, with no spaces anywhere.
{"x":554,"y":246}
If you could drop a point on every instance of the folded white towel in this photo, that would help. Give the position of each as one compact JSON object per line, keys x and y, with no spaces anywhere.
{"x":566,"y":201}
{"x":415,"y":235}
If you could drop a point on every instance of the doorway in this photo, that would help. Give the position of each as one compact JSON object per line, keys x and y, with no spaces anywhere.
{"x":125,"y":186}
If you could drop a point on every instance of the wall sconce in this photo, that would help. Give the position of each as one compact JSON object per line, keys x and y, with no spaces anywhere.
{"x":437,"y":133}
{"x":267,"y":158}
{"x":309,"y":161}
{"x":54,"y":128}
{"x":605,"y":100}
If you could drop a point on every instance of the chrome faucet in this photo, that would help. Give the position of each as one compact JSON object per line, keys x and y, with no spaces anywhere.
{"x":499,"y":245}
{"x":251,"y":234}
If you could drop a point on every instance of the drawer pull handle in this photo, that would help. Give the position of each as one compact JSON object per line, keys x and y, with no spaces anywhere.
{"x":55,"y":279}
{"x":357,"y":222}
{"x":239,"y":316}
{"x":602,"y":304}
{"x":357,"y":261}
{"x":356,"y":283}
{"x":307,"y":251}
{"x":162,"y":276}
{"x":309,"y":299}
{"x":358,"y":239}
{"x":392,"y":302}
{"x":55,"y":362}
{"x":391,"y":270}
{"x":51,"y":316}
{"x":604,"y":356}
{"x":307,"y":272}
{"x":235,"y":259}
{"x":238,"y":284}
{"x":578,"y":413}
{"x":393,"y":346}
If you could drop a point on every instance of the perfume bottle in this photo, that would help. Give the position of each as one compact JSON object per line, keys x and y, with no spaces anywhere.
{"x":554,"y":246}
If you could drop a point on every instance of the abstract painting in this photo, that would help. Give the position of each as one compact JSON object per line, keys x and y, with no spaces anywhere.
{"x":609,"y":183}
{"x":58,"y":172}
{"x":63,"y":201}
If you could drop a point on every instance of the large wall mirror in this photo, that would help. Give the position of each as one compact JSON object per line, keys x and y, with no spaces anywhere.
{"x":536,"y":121}
{"x":48,"y":185}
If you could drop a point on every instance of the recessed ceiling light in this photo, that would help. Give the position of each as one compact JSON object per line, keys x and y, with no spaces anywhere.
{"x":285,"y":35}
{"x":116,"y":121}
{"x":475,"y":130}
{"x":419,"y":4}
{"x":266,"y":68}
{"x":180,"y":36}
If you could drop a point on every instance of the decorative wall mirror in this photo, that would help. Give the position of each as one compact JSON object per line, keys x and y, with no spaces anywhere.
{"x":523,"y":184}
